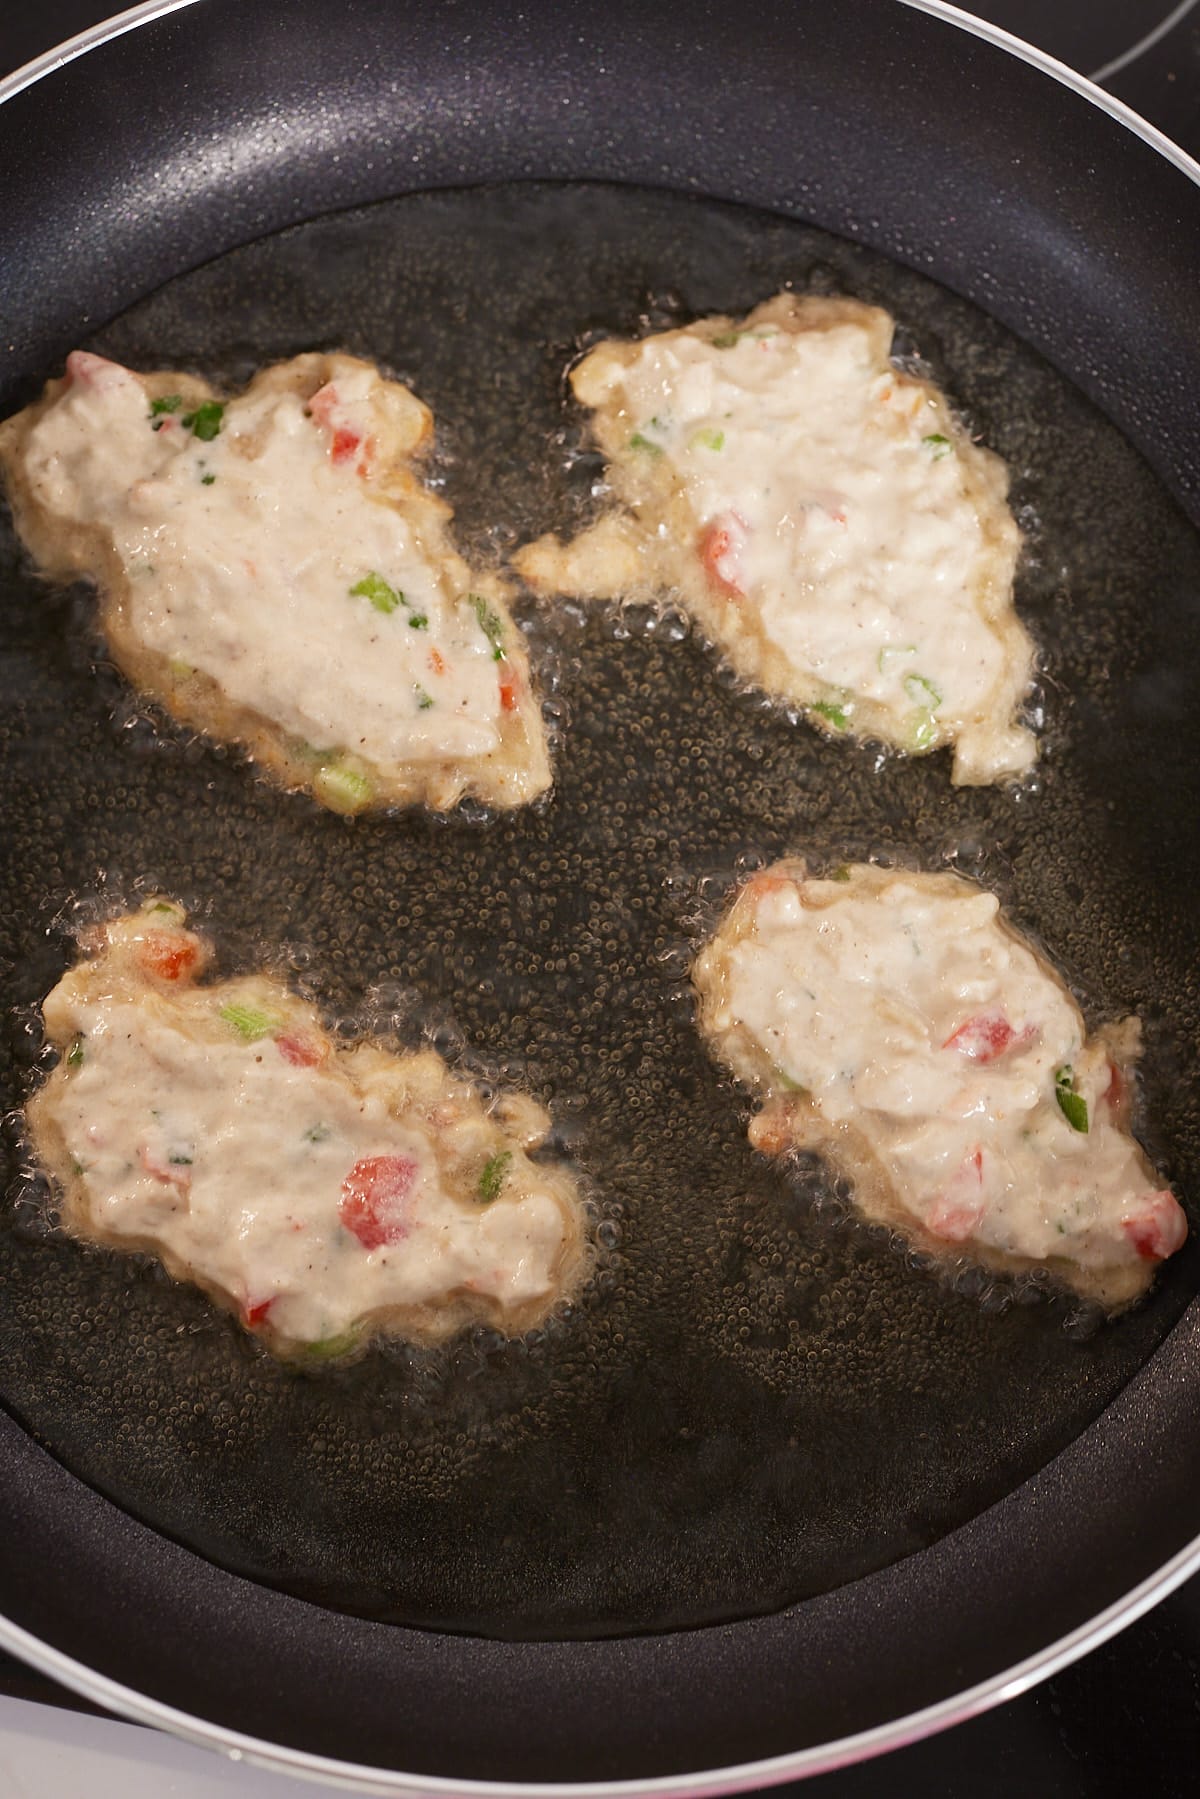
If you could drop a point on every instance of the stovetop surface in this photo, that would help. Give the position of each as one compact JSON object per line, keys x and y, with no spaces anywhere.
{"x":1127,"y":1717}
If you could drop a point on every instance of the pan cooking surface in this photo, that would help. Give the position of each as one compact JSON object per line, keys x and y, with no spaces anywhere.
{"x":757,"y":1398}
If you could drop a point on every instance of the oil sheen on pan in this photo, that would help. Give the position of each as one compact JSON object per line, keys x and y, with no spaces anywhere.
{"x":755,"y":1397}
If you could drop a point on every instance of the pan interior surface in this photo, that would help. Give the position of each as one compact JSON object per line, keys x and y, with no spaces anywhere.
{"x":757,"y":1398}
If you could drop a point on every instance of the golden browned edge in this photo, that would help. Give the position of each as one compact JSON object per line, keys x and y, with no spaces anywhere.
{"x":790,"y":1121}
{"x":625,"y":556}
{"x":417,"y":1084}
{"x":510,"y":776}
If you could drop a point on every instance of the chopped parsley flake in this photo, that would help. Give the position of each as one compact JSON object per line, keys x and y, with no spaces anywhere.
{"x":640,"y":442}
{"x":168,"y":403}
{"x":489,"y":624}
{"x":939,"y":445}
{"x":419,"y":621}
{"x":177,"y":1159}
{"x":494,"y":1175}
{"x":205,"y":422}
{"x":708,"y":439}
{"x":207,"y":480}
{"x":836,"y":715}
{"x":424,"y":700}
{"x":317,"y":1133}
{"x":373,"y":587}
{"x":725,"y":340}
{"x":75,"y":1054}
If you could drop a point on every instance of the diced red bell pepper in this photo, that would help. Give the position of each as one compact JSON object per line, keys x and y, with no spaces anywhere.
{"x":508,"y":689}
{"x":721,"y":547}
{"x":300,"y":1050}
{"x":986,"y":1036}
{"x":168,"y":955}
{"x":254,"y":1312}
{"x":345,"y":444}
{"x":956,"y":1213}
{"x":1157,"y":1227}
{"x":376,"y":1203}
{"x":1115,"y":1093}
{"x":173,"y":1174}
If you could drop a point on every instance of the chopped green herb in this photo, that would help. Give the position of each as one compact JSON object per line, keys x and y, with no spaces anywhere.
{"x":168,"y":403}
{"x":317,"y":1133}
{"x":207,"y":480}
{"x":841,"y":873}
{"x":327,"y":1349}
{"x":424,"y":700}
{"x":248,"y":1021}
{"x":78,"y":1167}
{"x":1071,"y":1104}
{"x":725,"y":340}
{"x":924,"y":731}
{"x":343,"y":788}
{"x":837,"y":715}
{"x":75,"y":1054}
{"x":205,"y":422}
{"x":640,"y":442}
{"x":178,"y":1160}
{"x":708,"y":439}
{"x":373,"y":587}
{"x":489,"y":624}
{"x":494,"y":1175}
{"x":419,"y":621}
{"x":176,"y":913}
{"x":922,"y":692}
{"x":939,"y":445}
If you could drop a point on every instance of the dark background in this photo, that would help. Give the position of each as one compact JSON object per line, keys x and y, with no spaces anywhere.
{"x":1127,"y":1717}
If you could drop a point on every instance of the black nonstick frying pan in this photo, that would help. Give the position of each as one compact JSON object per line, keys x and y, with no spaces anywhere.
{"x":771,"y":1497}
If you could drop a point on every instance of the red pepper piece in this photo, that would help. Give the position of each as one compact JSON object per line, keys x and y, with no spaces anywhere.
{"x":986,"y":1036}
{"x":508,"y":689}
{"x":721,"y":546}
{"x":167,"y":955}
{"x":1115,"y":1093}
{"x":956,"y":1213}
{"x":253,"y":1314}
{"x":301,"y":1051}
{"x":376,"y":1202}
{"x":345,"y":445}
{"x":172,"y":1174}
{"x":1158,"y":1227}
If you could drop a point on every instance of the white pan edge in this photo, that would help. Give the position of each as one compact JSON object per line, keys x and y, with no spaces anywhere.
{"x":746,"y":1776}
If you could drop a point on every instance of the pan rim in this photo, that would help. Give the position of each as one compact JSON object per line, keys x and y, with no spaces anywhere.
{"x":357,"y":1777}
{"x":127,"y":1702}
{"x":147,"y":11}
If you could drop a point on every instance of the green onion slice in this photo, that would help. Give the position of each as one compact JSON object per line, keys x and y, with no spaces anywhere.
{"x":494,"y":1174}
{"x":1071,"y":1104}
{"x":837,"y":715}
{"x":342,"y":788}
{"x":489,"y":624}
{"x":249,"y":1022}
{"x":383,"y":597}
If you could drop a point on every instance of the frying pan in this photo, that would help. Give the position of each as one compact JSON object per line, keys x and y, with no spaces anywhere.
{"x":902,"y":130}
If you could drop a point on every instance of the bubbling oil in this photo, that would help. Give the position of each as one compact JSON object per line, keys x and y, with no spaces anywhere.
{"x":756,"y":1397}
